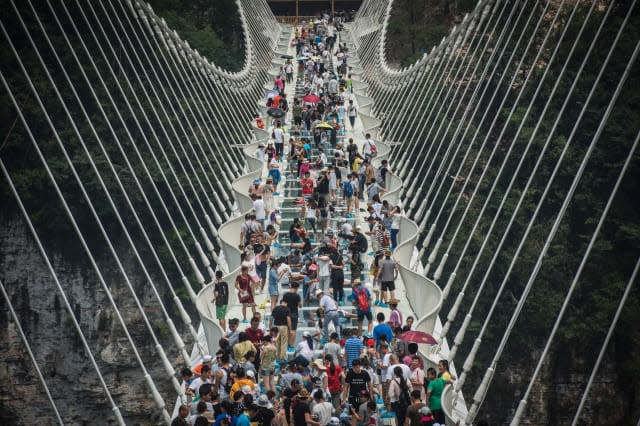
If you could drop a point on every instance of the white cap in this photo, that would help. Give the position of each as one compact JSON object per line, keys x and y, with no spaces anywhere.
{"x":250,"y":373}
{"x":206,"y":358}
{"x":306,"y":334}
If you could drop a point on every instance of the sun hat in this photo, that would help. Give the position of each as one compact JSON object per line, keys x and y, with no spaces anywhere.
{"x":256,"y":180}
{"x":319,"y":292}
{"x":318,"y":363}
{"x":263,"y":401}
{"x":206,"y":358}
{"x":306,"y":334}
{"x":394,"y":301}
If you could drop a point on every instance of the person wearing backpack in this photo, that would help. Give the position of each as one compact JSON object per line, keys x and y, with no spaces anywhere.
{"x":361,"y":298}
{"x":349,"y":194}
{"x":399,"y":395}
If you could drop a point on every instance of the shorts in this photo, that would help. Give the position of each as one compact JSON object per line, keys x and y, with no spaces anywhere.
{"x":261,"y":269}
{"x":267,"y":372}
{"x":388,"y":285}
{"x":221,"y":312}
{"x":361,"y":316}
{"x":354,"y":400}
{"x":294,"y":321}
{"x":350,"y":201}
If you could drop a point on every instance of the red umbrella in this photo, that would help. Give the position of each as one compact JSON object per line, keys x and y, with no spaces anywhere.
{"x":313,"y":99}
{"x":418,"y":337}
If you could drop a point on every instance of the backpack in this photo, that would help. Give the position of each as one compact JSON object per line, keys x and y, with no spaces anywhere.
{"x":404,"y":400}
{"x":364,"y":245}
{"x":348,"y":189}
{"x":231,"y":379}
{"x":363,"y":300}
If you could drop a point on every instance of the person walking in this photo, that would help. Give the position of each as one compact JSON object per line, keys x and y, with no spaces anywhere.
{"x":281,"y":318}
{"x":221,"y":299}
{"x":352,"y":111}
{"x":330,"y":308}
{"x":387,"y":275}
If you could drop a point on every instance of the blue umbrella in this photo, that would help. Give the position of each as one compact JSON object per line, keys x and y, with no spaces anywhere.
{"x":302,"y":58}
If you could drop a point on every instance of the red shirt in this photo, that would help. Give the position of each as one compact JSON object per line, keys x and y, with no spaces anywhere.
{"x":254,"y":335}
{"x":307,"y":186}
{"x":333,"y":380}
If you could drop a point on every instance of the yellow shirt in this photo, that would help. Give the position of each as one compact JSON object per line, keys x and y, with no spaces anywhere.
{"x":240,"y":350}
{"x":240,"y":383}
{"x":446,"y":376}
{"x":356,"y":164}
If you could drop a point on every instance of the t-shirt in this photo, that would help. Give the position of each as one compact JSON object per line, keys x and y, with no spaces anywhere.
{"x":436,"y":386}
{"x":357,"y":382}
{"x":278,"y":135}
{"x":287,"y":378}
{"x":223,"y":293}
{"x":353,"y":346}
{"x":243,"y":420}
{"x":333,"y":349}
{"x":382,"y":330}
{"x":299,"y":411}
{"x":292,"y":300}
{"x":258,"y":206}
{"x":287,"y":273}
{"x":406,"y":372}
{"x":323,"y":410}
{"x":333,"y":380}
{"x":280,"y":315}
{"x":414,"y":415}
{"x":307,"y":186}
{"x":264,"y":416}
{"x":388,"y":268}
{"x":372,"y":191}
{"x":323,"y":267}
{"x":352,"y":150}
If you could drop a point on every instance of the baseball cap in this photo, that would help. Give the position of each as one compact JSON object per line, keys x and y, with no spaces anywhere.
{"x":206,"y":358}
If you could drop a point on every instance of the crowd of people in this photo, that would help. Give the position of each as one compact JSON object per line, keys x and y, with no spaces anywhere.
{"x":334,"y":372}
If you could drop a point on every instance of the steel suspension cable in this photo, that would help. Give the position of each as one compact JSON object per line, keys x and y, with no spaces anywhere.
{"x":23,"y":337}
{"x":461,"y":332}
{"x":523,"y":402}
{"x":482,"y":389}
{"x":605,"y":344}
{"x":65,"y":300}
{"x":149,"y":381}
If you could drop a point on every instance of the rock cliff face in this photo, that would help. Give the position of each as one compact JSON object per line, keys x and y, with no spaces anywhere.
{"x":57,"y":347}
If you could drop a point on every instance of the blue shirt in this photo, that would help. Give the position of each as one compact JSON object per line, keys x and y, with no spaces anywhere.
{"x":382,"y":330}
{"x":243,"y":420}
{"x":353,"y":347}
{"x":273,"y":277}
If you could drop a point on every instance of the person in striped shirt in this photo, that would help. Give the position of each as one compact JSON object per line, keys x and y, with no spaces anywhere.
{"x":353,"y":347}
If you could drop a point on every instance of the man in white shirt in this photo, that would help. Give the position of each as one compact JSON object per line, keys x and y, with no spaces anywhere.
{"x":258,"y":207}
{"x":368,"y":147}
{"x":324,"y":271}
{"x":278,"y":137}
{"x":393,"y":363}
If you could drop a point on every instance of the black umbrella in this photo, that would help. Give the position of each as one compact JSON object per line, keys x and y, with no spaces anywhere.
{"x":276,"y":112}
{"x":286,"y":56}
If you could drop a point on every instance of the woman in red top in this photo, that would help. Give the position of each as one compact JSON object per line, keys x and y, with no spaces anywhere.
{"x":335,"y":378}
{"x":245,"y":295}
{"x":307,"y":186}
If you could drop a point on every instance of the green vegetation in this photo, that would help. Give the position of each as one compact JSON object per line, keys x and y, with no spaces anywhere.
{"x":211,"y":27}
{"x":417,"y":25}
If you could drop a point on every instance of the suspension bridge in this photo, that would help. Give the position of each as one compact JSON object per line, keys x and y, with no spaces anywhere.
{"x":490,"y":119}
